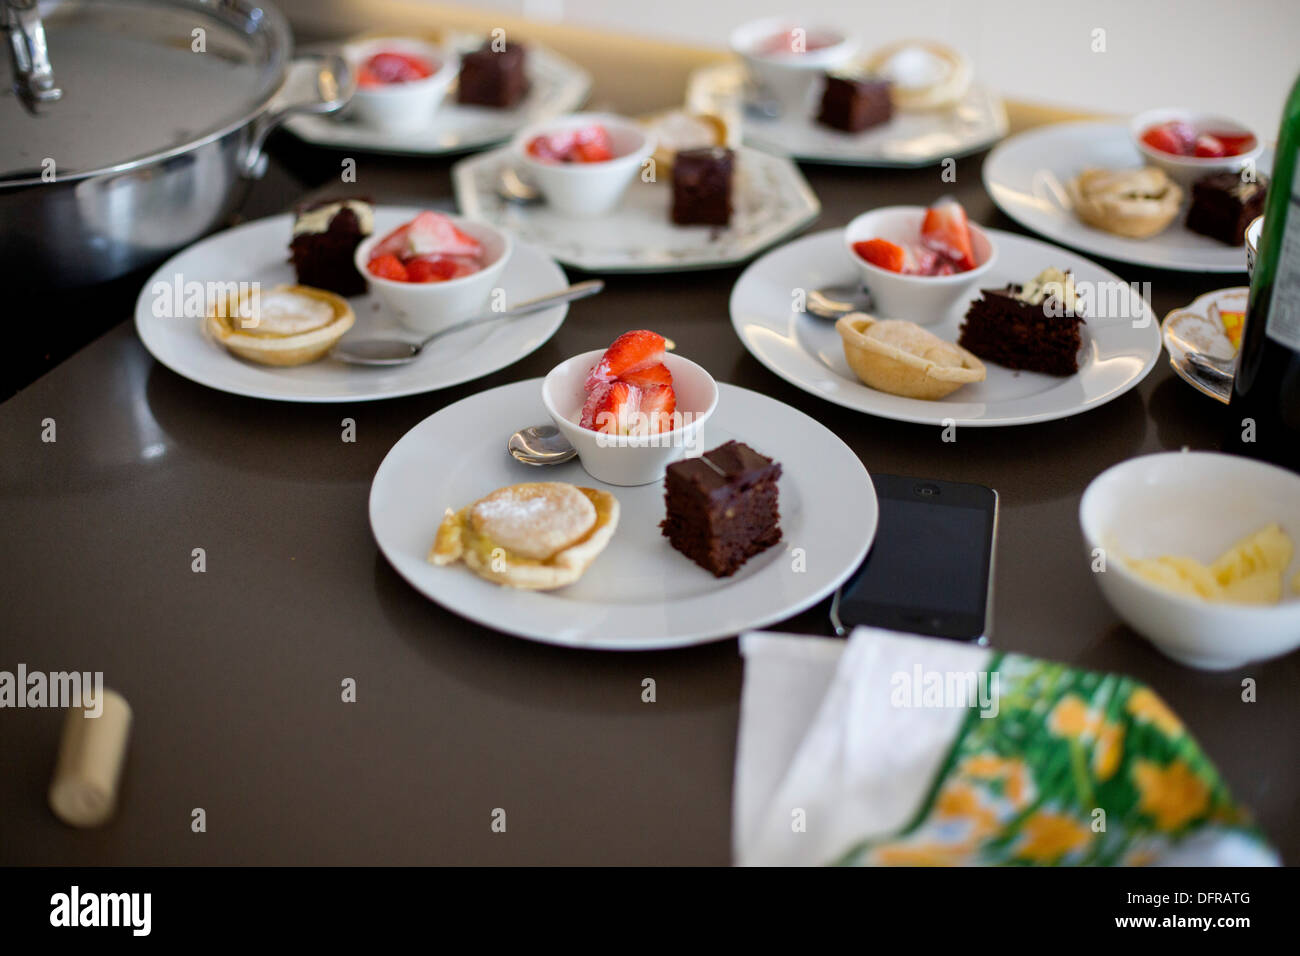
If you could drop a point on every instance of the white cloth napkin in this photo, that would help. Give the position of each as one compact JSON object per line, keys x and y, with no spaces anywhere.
{"x":827,"y":757}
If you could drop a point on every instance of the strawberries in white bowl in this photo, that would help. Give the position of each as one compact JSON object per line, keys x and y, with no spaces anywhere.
{"x":632,"y":409}
{"x":918,"y":261}
{"x":436,"y":269}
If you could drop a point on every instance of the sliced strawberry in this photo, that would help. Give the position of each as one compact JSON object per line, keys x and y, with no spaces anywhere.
{"x":946,"y":231}
{"x":592,"y":145}
{"x":882,"y":253}
{"x":630,"y":352}
{"x":388,"y":267}
{"x":589,"y":144}
{"x":648,"y":376}
{"x":1210,"y":147}
{"x":610,"y":407}
{"x":393,"y":244}
{"x":1163,"y":139}
{"x":391,"y":67}
{"x":439,"y":268}
{"x":657,"y":405}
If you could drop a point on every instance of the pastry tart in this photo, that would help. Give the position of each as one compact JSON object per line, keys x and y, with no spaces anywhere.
{"x":1136,"y":203}
{"x":285,"y":325}
{"x":535,"y":536}
{"x":900,"y":357}
{"x":923,"y":75}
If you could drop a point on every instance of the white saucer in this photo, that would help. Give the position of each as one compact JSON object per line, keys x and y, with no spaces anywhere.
{"x":1199,"y":327}
{"x":910,"y":138}
{"x":1026,"y":177}
{"x":640,"y":594}
{"x":558,"y":86}
{"x":770,"y":200}
{"x":807,"y":351}
{"x":258,"y":252}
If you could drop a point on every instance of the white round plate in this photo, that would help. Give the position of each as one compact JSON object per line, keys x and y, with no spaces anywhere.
{"x":770,"y":200}
{"x":1120,"y":343}
{"x":640,"y":593}
{"x":558,"y":86}
{"x":1026,"y":177}
{"x":258,"y":252}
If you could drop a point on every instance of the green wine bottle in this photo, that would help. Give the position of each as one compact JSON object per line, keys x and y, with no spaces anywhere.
{"x":1266,"y":388}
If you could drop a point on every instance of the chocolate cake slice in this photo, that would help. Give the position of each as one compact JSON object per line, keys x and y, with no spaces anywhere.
{"x":325,"y":238}
{"x":722,"y":508}
{"x":855,"y":103}
{"x":1224,"y":204}
{"x":496,"y":78}
{"x":702,"y":186}
{"x":1034,"y":327}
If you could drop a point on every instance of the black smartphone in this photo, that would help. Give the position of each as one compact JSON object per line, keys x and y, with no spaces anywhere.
{"x":930,"y":568}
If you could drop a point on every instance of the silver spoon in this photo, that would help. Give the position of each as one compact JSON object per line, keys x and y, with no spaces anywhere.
{"x":514,"y":189}
{"x":400,"y":351}
{"x":835,"y":301}
{"x":540,"y":445}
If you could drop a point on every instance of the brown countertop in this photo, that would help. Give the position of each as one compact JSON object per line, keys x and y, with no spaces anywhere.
{"x":234,"y":674}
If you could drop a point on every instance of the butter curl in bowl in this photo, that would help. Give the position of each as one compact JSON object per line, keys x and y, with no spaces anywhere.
{"x":900,"y":357}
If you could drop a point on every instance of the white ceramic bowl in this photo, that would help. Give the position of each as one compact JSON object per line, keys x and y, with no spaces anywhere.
{"x":1252,"y":243}
{"x":1197,"y":504}
{"x":794,"y":79}
{"x":427,"y":307}
{"x":586,"y":190}
{"x":919,"y":299}
{"x":1185,"y":170}
{"x":630,"y":459}
{"x":401,"y":107}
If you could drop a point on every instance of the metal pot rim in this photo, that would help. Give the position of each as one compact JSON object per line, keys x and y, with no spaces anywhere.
{"x":281,"y":39}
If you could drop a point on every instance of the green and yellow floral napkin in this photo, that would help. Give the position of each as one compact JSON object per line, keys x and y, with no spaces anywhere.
{"x":898,"y":750}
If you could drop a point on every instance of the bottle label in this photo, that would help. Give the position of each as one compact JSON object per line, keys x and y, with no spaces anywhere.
{"x":1284,"y":311}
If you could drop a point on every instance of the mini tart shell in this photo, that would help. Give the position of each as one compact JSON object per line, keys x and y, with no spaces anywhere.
{"x":887,"y":368}
{"x":457,"y":540}
{"x":1110,"y":210}
{"x":222,"y":323}
{"x":938,"y":95}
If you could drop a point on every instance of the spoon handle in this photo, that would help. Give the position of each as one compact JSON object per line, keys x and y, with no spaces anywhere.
{"x":579,"y":290}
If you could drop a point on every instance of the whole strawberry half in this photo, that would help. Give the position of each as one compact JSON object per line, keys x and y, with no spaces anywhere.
{"x":630,"y":353}
{"x":946,"y":231}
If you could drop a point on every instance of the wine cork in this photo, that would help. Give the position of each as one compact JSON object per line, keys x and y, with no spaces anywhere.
{"x":83,"y":792}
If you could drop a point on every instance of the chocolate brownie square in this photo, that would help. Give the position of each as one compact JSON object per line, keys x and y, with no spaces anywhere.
{"x":497,"y":78}
{"x":723,"y":507}
{"x":702,"y":186}
{"x":1224,"y":204}
{"x":325,"y":238}
{"x":855,"y":103}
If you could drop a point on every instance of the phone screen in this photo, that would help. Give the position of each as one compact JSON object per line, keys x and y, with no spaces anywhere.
{"x":928,"y":569}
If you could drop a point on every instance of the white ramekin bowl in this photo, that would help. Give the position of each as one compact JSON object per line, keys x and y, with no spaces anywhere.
{"x":586,"y":190}
{"x":630,"y":459}
{"x":427,"y":307}
{"x":792,"y":78}
{"x":1185,"y":170}
{"x":920,"y":299}
{"x":401,"y":107}
{"x":1196,"y":504}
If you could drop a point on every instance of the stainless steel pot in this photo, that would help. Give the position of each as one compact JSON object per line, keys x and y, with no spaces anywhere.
{"x":136,"y":126}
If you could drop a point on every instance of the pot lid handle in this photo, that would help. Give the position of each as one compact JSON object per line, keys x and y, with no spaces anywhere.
{"x":33,"y":75}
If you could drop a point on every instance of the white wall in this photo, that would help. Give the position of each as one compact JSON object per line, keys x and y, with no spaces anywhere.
{"x":1238,"y":57}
